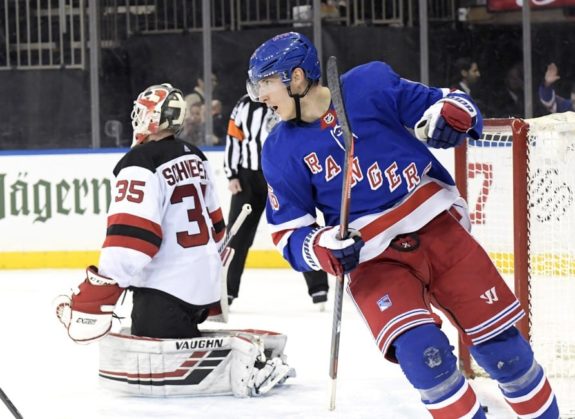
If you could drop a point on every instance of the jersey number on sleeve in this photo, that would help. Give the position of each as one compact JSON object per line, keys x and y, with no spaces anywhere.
{"x":195,"y":215}
{"x":133,"y":190}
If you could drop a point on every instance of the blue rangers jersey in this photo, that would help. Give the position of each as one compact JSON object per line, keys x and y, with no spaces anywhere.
{"x":553,"y":102}
{"x":398,"y":185}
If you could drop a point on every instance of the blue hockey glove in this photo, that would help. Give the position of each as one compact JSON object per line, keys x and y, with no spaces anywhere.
{"x":448,"y":122}
{"x":335,"y":256}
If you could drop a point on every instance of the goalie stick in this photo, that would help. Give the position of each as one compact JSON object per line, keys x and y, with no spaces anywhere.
{"x":227,"y":254}
{"x":10,"y":405}
{"x":333,"y":82}
{"x":246,"y":210}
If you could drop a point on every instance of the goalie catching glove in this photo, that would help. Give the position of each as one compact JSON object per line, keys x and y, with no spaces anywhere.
{"x":324,"y":250}
{"x":448,"y":122}
{"x":87,"y":314}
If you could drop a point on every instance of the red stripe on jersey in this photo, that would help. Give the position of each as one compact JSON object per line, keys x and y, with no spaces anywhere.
{"x":508,"y":319}
{"x":392,"y":217}
{"x":135,"y":221}
{"x":217,"y":217}
{"x":400,"y":324}
{"x":278,"y":235}
{"x":531,"y":403}
{"x":460,"y":405}
{"x":131,"y":243}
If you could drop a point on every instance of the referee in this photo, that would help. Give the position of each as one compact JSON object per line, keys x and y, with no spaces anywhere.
{"x":249,"y":125}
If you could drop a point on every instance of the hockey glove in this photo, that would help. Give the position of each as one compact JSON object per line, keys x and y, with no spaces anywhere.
{"x":87,"y":314}
{"x":335,"y":256}
{"x":448,"y":122}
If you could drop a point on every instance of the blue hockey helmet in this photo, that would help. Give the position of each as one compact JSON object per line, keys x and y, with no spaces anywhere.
{"x":281,"y":55}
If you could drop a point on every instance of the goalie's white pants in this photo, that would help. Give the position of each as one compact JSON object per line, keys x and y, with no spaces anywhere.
{"x":239,"y":362}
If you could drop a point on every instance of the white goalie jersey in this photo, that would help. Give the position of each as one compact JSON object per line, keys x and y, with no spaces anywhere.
{"x":165,"y":218}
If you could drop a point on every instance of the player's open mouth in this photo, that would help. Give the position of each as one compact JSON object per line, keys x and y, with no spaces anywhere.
{"x":274,"y":108}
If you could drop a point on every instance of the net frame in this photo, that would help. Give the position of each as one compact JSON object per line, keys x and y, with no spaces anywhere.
{"x":517,"y":131}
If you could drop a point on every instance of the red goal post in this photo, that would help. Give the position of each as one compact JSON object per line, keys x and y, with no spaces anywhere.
{"x":519,"y":182}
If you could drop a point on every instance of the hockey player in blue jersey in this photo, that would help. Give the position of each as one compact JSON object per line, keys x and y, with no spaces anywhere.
{"x":409,"y":247}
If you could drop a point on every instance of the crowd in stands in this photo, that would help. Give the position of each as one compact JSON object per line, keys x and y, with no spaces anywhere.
{"x":505,"y":99}
{"x":194,"y":127}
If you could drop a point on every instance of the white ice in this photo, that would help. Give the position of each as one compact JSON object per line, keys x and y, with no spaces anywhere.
{"x":47,"y":376}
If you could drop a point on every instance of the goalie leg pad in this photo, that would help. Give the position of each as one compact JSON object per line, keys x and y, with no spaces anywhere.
{"x":251,"y":373}
{"x":508,"y":358}
{"x":426,"y":358}
{"x":219,"y":363}
{"x":165,"y":367}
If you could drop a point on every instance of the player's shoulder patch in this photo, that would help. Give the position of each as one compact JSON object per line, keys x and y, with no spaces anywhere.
{"x":189,"y":148}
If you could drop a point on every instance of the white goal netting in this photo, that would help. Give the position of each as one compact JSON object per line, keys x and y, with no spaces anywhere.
{"x":550,"y":233}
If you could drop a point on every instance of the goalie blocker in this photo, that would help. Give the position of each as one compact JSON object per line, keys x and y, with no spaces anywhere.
{"x":240,"y":362}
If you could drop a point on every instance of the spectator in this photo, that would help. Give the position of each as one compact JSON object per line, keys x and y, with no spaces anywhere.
{"x":329,"y":9}
{"x":553,"y":102}
{"x":467,"y":78}
{"x":466,"y":74}
{"x":509,"y":102}
{"x":197,"y":95}
{"x":342,"y":7}
{"x":249,"y":125}
{"x":193,"y":129}
{"x":219,"y":123}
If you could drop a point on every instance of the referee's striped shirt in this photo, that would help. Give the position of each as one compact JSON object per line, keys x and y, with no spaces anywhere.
{"x":249,"y":126}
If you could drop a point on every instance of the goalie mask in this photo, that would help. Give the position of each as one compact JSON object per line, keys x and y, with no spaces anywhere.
{"x":157,"y":108}
{"x":280,"y":56}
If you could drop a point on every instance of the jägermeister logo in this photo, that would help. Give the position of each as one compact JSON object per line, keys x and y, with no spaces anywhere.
{"x":43,"y":199}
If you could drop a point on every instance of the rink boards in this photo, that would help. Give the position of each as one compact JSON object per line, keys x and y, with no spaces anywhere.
{"x":53,"y":208}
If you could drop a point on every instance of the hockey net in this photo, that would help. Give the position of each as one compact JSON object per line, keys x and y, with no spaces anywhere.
{"x":519,"y":181}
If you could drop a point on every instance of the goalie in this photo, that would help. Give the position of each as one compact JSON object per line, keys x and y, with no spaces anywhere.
{"x":165,"y":227}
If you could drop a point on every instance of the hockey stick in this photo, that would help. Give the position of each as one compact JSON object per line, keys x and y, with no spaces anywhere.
{"x":227,"y":254}
{"x":10,"y":405}
{"x":246,"y":210}
{"x":334,"y":85}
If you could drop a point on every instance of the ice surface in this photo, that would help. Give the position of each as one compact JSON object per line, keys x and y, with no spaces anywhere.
{"x":47,"y":376}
